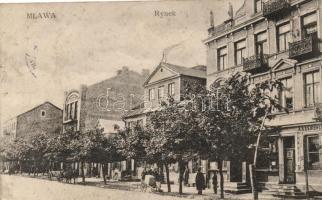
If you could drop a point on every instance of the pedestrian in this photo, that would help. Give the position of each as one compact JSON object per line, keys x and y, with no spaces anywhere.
{"x":200,"y":181}
{"x":215,"y":182}
{"x":186,"y":176}
{"x":143,"y":175}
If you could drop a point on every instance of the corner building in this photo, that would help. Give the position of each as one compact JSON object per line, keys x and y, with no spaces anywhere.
{"x":278,"y":39}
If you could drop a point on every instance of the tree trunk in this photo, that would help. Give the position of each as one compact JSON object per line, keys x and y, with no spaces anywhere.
{"x":104,"y":172}
{"x":253,"y":167}
{"x":221,"y":179}
{"x":168,"y":176}
{"x":252,"y":173}
{"x":82,"y":171}
{"x":180,"y":165}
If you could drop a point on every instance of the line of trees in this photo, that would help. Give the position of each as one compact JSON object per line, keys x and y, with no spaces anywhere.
{"x":218,"y":124}
{"x":221,"y":123}
{"x":41,"y":153}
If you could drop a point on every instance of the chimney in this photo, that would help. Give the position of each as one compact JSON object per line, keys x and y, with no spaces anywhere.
{"x":125,"y":69}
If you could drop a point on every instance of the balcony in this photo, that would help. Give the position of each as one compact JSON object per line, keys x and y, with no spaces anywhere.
{"x":256,"y":63}
{"x":301,"y":48}
{"x":275,"y":8}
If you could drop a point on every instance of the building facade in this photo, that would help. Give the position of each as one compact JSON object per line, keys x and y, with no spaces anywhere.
{"x":167,"y":80}
{"x":45,"y":118}
{"x":102,"y":104}
{"x":279,"y":40}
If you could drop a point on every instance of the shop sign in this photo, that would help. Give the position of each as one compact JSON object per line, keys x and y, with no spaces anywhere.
{"x":314,"y":127}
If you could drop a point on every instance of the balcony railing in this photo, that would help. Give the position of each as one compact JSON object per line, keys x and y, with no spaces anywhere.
{"x":300,"y":48}
{"x":273,"y":8}
{"x":255,"y":63}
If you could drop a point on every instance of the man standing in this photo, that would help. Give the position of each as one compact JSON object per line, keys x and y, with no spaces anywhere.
{"x":215,"y":182}
{"x":200,"y":181}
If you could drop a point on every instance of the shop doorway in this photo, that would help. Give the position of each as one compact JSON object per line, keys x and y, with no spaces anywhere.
{"x":289,"y":159}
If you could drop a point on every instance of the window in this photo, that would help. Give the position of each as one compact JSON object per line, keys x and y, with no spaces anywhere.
{"x":171,"y":89}
{"x":311,"y":88}
{"x":286,"y":94}
{"x":75,"y":113}
{"x":161,"y":92}
{"x":140,"y":123}
{"x":258,"y":6}
{"x":240,"y":51}
{"x":261,"y":44}
{"x":309,"y":23}
{"x":43,"y":113}
{"x":66,"y":111}
{"x":222,"y":58}
{"x":71,"y":111}
{"x":313,"y":152}
{"x":151,"y":94}
{"x":283,"y":37}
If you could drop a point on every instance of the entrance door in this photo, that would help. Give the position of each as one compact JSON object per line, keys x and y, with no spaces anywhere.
{"x":289,"y":159}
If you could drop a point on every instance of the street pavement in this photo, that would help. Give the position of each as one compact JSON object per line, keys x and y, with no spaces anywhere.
{"x":28,"y":188}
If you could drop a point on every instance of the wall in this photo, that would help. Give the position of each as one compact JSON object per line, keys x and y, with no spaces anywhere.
{"x":111,"y":98}
{"x":32,"y":122}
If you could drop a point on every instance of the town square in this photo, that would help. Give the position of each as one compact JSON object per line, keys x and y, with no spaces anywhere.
{"x":206,"y":99}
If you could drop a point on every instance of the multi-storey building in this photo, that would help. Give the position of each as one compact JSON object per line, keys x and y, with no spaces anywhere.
{"x":103,"y":103}
{"x":167,"y":80}
{"x":44,"y":118}
{"x":280,"y":40}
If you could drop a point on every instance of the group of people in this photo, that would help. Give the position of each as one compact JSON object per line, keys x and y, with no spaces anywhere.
{"x":201,"y":183}
{"x":199,"y":180}
{"x":158,"y":177}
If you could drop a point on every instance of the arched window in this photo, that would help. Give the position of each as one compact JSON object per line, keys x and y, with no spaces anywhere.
{"x":71,"y":106}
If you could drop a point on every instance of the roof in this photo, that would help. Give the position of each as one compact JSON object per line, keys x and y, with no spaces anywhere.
{"x":186,"y":70}
{"x":135,"y":112}
{"x":46,"y":102}
{"x":196,"y":71}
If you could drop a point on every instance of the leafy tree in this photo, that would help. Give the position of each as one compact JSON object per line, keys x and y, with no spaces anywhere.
{"x":175,"y":135}
{"x":130,"y":142}
{"x":233,"y":116}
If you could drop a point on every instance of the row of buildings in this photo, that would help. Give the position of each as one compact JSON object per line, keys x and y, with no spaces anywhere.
{"x":270,"y":39}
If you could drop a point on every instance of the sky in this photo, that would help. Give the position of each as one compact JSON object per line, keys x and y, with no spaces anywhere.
{"x":88,"y":42}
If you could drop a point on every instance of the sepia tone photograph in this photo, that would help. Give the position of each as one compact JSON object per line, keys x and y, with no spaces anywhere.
{"x":161,"y":100}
